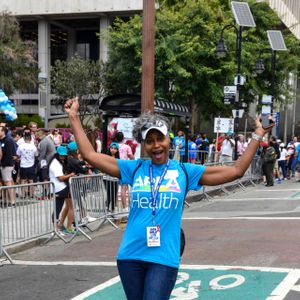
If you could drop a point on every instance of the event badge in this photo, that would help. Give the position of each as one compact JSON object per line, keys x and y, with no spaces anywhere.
{"x":153,"y":236}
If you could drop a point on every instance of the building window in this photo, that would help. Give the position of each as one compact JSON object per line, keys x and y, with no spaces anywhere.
{"x":83,"y":50}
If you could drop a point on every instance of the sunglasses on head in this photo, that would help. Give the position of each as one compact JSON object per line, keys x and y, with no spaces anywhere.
{"x":148,"y":125}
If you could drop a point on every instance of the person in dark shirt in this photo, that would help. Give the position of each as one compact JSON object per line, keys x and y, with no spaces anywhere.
{"x":74,"y":164}
{"x":79,"y":168}
{"x":7,"y":164}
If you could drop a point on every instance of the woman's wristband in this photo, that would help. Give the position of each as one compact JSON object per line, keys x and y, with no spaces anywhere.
{"x":256,"y":137}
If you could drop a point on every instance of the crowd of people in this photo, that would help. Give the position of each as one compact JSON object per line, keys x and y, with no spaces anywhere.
{"x":31,"y":154}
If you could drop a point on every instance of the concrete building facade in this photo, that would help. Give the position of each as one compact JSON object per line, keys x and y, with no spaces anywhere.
{"x":63,"y":27}
{"x":60,"y":29}
{"x":289,"y":12}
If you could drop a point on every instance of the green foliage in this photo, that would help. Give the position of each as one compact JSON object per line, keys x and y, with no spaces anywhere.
{"x":62,"y":125}
{"x":187,"y":69}
{"x":24,"y":120}
{"x":17,"y":64}
{"x":78,"y":77}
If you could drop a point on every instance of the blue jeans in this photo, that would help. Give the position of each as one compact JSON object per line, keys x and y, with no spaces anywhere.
{"x":282,"y":166}
{"x":145,"y":280}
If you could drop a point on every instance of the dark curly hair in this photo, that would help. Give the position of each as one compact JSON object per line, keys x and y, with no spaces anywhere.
{"x":147,"y":118}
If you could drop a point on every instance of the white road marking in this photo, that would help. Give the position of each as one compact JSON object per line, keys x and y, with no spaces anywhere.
{"x":97,"y":288}
{"x":296,"y":288}
{"x":255,"y":199}
{"x":64,"y":263}
{"x":280,"y":190}
{"x":242,"y":218}
{"x":285,"y":286}
{"x":182,"y":266}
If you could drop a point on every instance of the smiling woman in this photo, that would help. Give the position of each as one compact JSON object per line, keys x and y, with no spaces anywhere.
{"x":149,"y":255}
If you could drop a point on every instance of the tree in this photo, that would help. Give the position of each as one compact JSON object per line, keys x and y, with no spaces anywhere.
{"x":186,"y":67}
{"x":18,"y":67}
{"x":78,"y":77}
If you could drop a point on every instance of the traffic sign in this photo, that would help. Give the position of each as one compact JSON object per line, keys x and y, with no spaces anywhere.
{"x":230,"y":92}
{"x":237,"y":113}
{"x":239,"y":79}
{"x":223,"y":125}
{"x":266,"y":99}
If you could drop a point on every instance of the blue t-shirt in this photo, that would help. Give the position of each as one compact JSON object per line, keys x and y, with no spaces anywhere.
{"x":179,"y":142}
{"x":170,"y":200}
{"x":192,"y":150}
{"x":298,"y":152}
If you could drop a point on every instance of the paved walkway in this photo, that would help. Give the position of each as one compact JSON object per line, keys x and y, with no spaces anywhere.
{"x":244,"y":245}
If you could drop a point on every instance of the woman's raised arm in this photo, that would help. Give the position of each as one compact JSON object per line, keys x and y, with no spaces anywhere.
{"x":103,"y":162}
{"x":216,"y":175}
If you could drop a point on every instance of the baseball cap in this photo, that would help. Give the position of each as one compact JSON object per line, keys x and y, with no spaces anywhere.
{"x":72,"y":146}
{"x":62,"y":150}
{"x":116,"y":145}
{"x":159,"y":125}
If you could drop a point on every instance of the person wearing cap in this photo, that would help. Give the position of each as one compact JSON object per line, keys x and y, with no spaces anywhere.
{"x":59,"y":177}
{"x":282,"y":162}
{"x":150,"y":248}
{"x":227,"y":148}
{"x":112,"y":185}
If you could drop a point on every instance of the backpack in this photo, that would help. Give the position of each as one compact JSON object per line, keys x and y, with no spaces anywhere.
{"x":270,"y":154}
{"x":182,"y":235}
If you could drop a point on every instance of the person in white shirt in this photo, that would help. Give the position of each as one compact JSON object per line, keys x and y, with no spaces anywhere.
{"x":27,"y":152}
{"x":227,"y":148}
{"x":282,"y":161}
{"x":59,"y":177}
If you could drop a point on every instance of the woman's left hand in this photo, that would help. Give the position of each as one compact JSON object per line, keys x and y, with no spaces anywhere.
{"x":259,"y":129}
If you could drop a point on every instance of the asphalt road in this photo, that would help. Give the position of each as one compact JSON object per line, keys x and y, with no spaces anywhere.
{"x":252,"y":230}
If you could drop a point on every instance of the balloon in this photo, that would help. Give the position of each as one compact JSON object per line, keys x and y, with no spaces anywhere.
{"x":7,"y":107}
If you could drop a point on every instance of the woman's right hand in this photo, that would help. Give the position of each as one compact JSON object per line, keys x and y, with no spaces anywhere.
{"x":72,"y":106}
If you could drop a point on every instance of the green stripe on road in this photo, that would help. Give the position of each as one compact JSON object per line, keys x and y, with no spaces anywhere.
{"x":208,"y":284}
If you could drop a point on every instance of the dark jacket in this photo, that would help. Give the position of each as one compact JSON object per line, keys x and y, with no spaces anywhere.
{"x":8,"y":151}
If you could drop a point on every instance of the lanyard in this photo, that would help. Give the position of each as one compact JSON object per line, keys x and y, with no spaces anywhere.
{"x":154,"y":192}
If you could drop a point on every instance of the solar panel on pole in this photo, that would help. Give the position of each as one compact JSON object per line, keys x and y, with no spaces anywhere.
{"x":276,"y":40}
{"x":242,"y":14}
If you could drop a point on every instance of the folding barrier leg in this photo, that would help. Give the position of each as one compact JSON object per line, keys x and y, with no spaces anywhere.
{"x":186,"y":203}
{"x":7,"y":256}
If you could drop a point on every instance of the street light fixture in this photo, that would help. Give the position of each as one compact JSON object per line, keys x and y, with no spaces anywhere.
{"x":243,"y":18}
{"x":277,"y":43}
{"x":221,"y":48}
{"x":259,"y":66}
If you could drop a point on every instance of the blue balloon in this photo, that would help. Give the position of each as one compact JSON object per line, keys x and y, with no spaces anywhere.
{"x":8,"y":107}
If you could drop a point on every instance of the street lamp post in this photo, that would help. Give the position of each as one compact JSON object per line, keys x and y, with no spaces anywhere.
{"x":243,"y":18}
{"x":260,"y":68}
{"x":221,"y":51}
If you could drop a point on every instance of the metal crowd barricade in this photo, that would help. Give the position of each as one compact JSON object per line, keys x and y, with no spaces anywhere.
{"x":200,"y":156}
{"x":237,"y":182}
{"x":252,"y":174}
{"x":89,"y":199}
{"x":256,"y":169}
{"x":25,"y":212}
{"x":116,"y":206}
{"x":207,"y":189}
{"x":2,"y":251}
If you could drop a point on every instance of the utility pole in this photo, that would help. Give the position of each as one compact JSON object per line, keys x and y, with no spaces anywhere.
{"x":148,"y":56}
